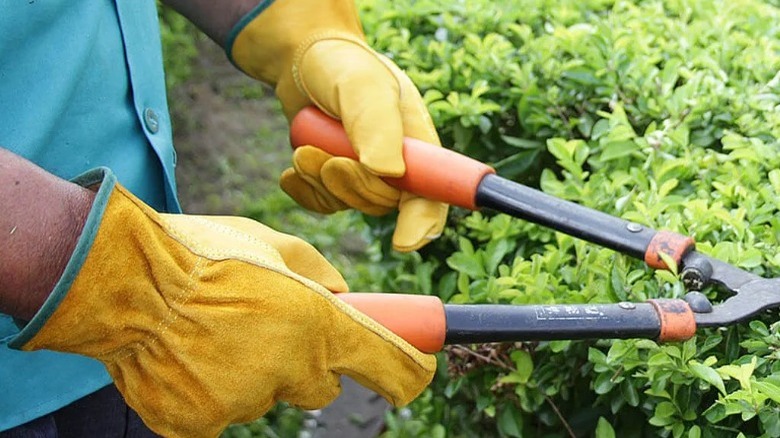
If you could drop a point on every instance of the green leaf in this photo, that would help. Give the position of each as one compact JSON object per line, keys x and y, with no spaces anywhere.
{"x":678,"y":429}
{"x":517,"y":164}
{"x":463,"y":284}
{"x":667,"y":187}
{"x":630,"y":393}
{"x":438,"y":431}
{"x":742,"y":373}
{"x":596,"y":356}
{"x":770,"y":420}
{"x":618,"y":149}
{"x":581,"y":75}
{"x":659,"y":359}
{"x":603,"y":383}
{"x":604,"y":429}
{"x":581,"y":151}
{"x":470,"y":265}
{"x":716,"y":413}
{"x":453,"y":386}
{"x":655,"y":420}
{"x":671,"y":264}
{"x":774,"y":179}
{"x":768,"y":389}
{"x":522,"y":143}
{"x":523,"y":363}
{"x":494,"y":253}
{"x":621,"y":132}
{"x":559,"y":346}
{"x":515,"y":378}
{"x":759,"y":327}
{"x":600,"y":128}
{"x":707,"y":374}
{"x":710,"y":342}
{"x":510,"y":422}
{"x":616,"y":283}
{"x":619,"y":350}
{"x":557,"y":147}
{"x":665,"y":409}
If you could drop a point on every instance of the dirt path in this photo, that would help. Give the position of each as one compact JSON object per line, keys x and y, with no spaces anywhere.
{"x":230,"y":136}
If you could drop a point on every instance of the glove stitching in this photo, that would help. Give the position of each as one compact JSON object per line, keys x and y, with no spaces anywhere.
{"x":405,"y":83}
{"x":234,"y":233}
{"x":165,"y":322}
{"x":330,"y":35}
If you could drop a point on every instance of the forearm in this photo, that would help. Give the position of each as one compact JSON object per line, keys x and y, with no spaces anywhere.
{"x":42,"y":217}
{"x":214,"y":18}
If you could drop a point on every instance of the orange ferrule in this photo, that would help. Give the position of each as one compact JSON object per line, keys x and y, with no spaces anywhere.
{"x":672,"y":244}
{"x":678,"y":322}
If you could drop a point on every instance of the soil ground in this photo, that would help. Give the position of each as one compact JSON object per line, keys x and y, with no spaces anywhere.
{"x":232,"y":144}
{"x":230,"y":136}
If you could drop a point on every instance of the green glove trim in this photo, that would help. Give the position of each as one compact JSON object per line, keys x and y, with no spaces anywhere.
{"x":107,"y":181}
{"x":240,"y":25}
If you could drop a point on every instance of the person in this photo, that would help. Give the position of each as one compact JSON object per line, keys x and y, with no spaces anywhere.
{"x":198,"y":321}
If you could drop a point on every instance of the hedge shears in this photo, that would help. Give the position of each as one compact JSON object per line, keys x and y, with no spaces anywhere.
{"x":458,"y":180}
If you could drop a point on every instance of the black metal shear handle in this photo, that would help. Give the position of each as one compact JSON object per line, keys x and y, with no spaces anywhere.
{"x":444,"y":175}
{"x":677,"y":319}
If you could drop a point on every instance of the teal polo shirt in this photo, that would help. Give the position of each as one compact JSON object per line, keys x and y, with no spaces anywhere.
{"x":81,"y":86}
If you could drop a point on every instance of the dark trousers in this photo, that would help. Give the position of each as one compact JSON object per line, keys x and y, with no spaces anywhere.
{"x":102,"y":414}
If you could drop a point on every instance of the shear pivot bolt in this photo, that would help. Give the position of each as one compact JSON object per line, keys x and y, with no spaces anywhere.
{"x":634,"y":227}
{"x":698,"y":302}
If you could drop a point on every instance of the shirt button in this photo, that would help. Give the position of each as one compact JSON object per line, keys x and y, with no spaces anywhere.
{"x":151,"y":120}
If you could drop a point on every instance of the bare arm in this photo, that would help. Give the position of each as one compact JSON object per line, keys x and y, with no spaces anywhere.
{"x":214,"y":18}
{"x":42,"y":217}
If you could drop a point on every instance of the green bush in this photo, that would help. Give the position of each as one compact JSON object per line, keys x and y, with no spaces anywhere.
{"x":666,"y":113}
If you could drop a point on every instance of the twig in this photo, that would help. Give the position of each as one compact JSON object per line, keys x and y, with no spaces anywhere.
{"x":511,"y":368}
{"x":560,"y":416}
{"x":484,"y":358}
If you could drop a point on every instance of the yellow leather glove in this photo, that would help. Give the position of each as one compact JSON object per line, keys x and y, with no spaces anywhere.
{"x":207,"y":321}
{"x":314,"y":53}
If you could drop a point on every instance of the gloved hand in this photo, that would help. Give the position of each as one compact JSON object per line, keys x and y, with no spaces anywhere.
{"x":207,"y":321}
{"x":314,"y":53}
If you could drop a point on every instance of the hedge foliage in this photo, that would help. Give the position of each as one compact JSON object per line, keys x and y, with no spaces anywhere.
{"x":666,"y":113}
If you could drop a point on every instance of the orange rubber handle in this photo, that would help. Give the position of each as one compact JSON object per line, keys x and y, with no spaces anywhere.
{"x":432,"y":172}
{"x":418,"y":319}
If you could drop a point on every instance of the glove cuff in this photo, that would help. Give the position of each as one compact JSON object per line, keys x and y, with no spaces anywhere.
{"x":263,"y":42}
{"x":106,"y":180}
{"x":240,"y":25}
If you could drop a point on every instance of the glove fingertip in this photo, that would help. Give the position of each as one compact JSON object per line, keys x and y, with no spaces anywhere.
{"x":406,"y":240}
{"x":420,"y":221}
{"x":404,"y":244}
{"x":309,"y":160}
{"x":307,"y":196}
